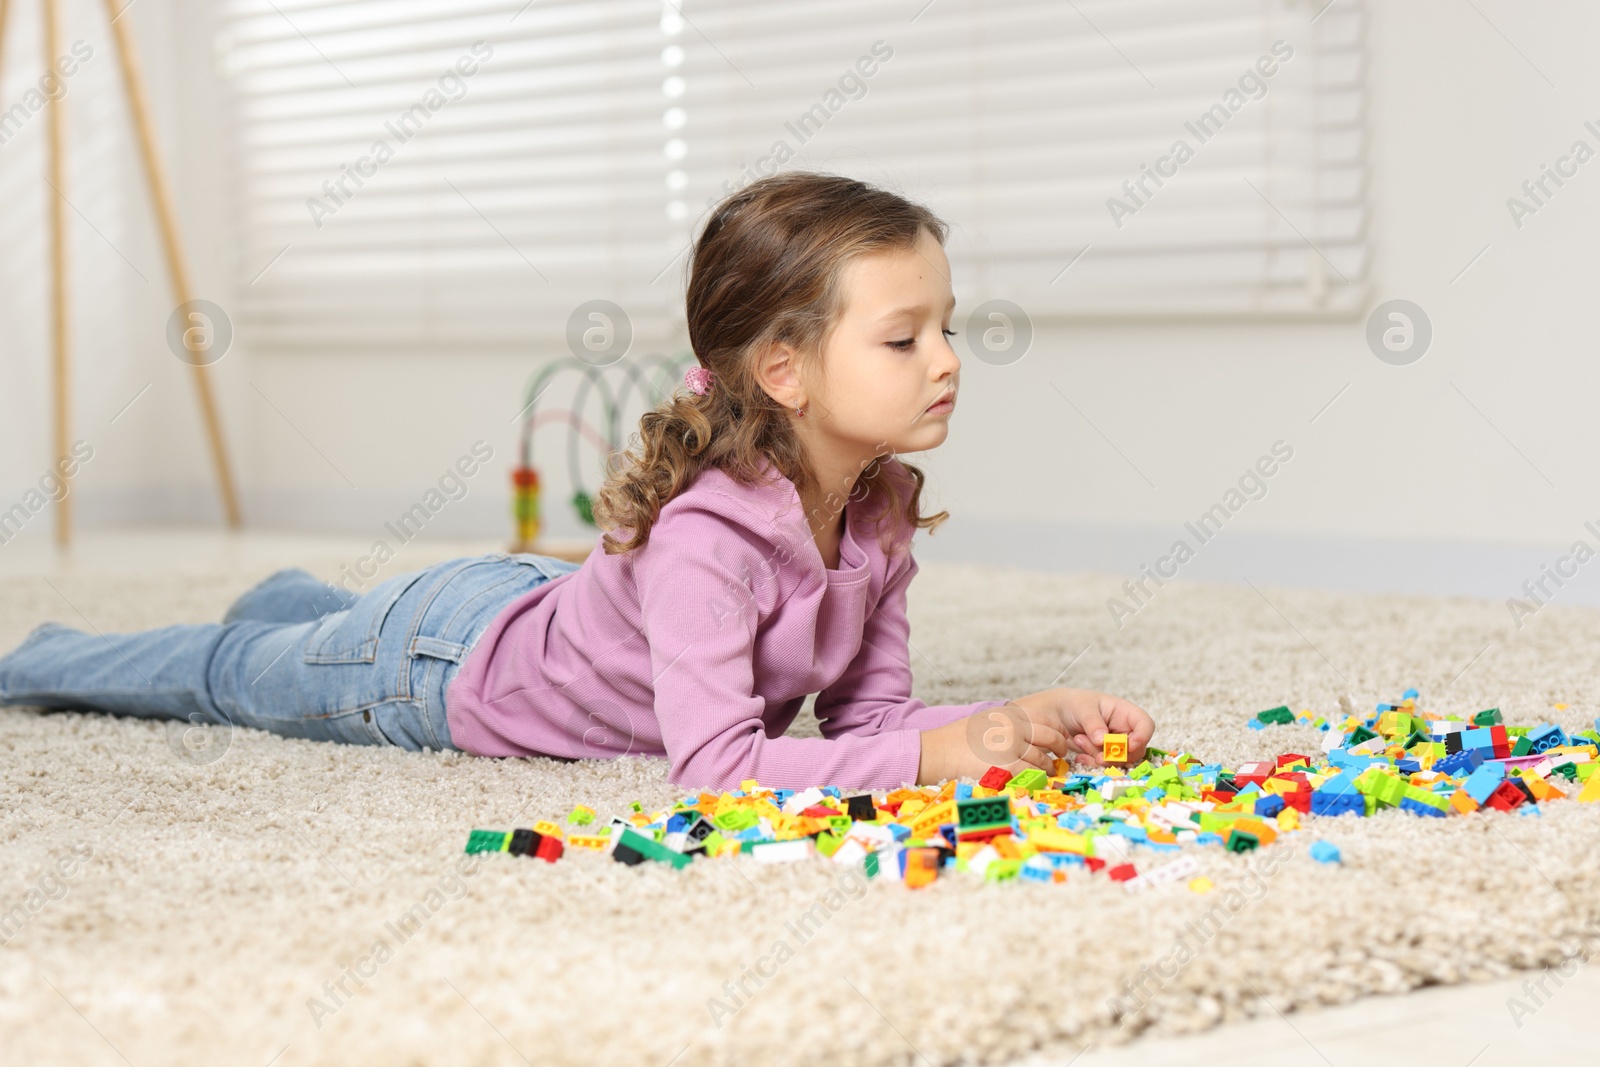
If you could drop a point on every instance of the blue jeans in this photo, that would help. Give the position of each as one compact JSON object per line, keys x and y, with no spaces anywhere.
{"x":294,"y":655}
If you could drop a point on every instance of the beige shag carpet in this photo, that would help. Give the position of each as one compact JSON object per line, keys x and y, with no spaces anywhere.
{"x":212,"y":912}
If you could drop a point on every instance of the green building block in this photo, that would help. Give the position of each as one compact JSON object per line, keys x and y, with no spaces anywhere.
{"x":1030,"y":779}
{"x":1241,"y":841}
{"x":1490,"y":717}
{"x":736,"y":819}
{"x":981,"y":814}
{"x":654,"y":850}
{"x":1163,"y":775}
{"x":1428,"y":797}
{"x":828,"y":844}
{"x":1001,"y":870}
{"x":488,"y":841}
{"x":1280,"y":714}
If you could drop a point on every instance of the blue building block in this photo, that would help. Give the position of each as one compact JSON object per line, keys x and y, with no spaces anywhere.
{"x":1342,"y":758}
{"x":1483,"y":781}
{"x":1343,"y":782}
{"x":1325,"y":803}
{"x":1325,"y":852}
{"x":963,"y":791}
{"x":1269,"y":805}
{"x":1416,"y":807}
{"x":1459,"y":763}
{"x":1547,"y":737}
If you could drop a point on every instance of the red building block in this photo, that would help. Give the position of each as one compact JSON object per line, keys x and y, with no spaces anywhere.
{"x":1505,"y":797}
{"x":1299,"y":800}
{"x":995,"y":778}
{"x":1253,"y":772}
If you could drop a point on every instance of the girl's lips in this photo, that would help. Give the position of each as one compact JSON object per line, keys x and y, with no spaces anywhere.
{"x":942,"y":407}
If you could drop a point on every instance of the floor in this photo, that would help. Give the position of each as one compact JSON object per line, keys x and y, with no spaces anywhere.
{"x":167,"y":951}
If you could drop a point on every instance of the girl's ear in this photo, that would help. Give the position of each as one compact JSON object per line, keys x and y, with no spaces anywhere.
{"x":778,"y":371}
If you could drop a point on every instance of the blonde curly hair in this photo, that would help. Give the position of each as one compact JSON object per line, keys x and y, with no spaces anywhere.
{"x":765,"y":270}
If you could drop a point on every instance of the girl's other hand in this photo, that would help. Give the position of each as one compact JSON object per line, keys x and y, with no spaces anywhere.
{"x":1086,"y":716}
{"x":1013,"y":735}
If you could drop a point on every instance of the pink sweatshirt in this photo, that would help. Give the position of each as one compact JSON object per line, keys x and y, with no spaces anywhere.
{"x":702,"y":645}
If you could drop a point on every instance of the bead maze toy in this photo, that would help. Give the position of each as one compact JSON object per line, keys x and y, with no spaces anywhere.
{"x":652,"y":375}
{"x":1125,"y":824}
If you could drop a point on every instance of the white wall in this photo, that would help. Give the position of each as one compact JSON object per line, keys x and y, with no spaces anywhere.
{"x":1401,"y":484}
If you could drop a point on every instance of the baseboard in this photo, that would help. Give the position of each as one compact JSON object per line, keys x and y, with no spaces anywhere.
{"x":1433,"y":568}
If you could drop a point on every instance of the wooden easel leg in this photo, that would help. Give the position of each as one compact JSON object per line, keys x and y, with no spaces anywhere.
{"x":55,"y":147}
{"x":5,"y":9}
{"x":167,"y":223}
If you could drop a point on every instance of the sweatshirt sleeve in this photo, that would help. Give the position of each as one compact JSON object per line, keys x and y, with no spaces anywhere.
{"x":699,"y":614}
{"x":873,"y":696}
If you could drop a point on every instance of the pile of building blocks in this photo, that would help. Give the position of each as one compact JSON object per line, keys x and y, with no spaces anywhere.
{"x":1039,"y":827}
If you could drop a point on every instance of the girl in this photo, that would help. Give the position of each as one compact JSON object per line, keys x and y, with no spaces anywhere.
{"x":756,"y":550}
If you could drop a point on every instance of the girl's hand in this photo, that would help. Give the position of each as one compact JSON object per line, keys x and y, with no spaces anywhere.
{"x":1086,"y":716}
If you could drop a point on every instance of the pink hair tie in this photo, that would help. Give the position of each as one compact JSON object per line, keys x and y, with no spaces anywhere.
{"x":698,"y":379}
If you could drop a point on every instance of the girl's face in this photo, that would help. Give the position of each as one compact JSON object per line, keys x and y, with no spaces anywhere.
{"x":888,"y":360}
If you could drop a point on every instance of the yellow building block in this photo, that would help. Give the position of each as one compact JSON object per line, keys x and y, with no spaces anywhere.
{"x":597,"y":842}
{"x":1541,"y":789}
{"x":1006,"y":845}
{"x":1058,"y":840}
{"x":1591,"y":790}
{"x":927,"y":823}
{"x":922,"y":867}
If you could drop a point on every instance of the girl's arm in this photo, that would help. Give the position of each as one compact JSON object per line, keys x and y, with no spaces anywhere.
{"x":874,"y":692}
{"x":964,"y":740}
{"x":699,"y":616}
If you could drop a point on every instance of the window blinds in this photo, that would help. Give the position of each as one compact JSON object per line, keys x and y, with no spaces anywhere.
{"x":1041,"y":129}
{"x":445,"y":174}
{"x":390,"y":197}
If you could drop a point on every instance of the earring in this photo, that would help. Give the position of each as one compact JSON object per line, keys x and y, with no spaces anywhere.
{"x":800,"y":411}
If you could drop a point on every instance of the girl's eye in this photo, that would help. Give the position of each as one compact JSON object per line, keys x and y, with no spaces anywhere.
{"x":901,"y":346}
{"x":948,"y":333}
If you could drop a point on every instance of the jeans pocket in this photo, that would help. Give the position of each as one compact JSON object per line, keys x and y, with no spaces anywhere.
{"x":351,"y":635}
{"x":350,"y":726}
